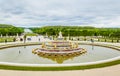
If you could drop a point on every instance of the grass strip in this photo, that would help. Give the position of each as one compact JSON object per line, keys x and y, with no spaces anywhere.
{"x":7,"y":67}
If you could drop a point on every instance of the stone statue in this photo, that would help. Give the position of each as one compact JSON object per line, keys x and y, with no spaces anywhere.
{"x":60,"y":35}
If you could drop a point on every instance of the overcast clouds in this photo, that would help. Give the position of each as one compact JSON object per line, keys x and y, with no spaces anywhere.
{"x":99,"y":13}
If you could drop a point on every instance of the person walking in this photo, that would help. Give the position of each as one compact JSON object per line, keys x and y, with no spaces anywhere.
{"x":5,"y":40}
{"x":39,"y":39}
{"x":92,"y":40}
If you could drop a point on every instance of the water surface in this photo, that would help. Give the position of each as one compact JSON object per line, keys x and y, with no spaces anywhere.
{"x":24,"y":54}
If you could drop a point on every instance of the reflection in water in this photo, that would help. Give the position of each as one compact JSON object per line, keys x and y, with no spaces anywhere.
{"x":92,"y":47}
{"x":24,"y":46}
{"x":26,"y":56}
{"x":60,"y":58}
{"x":19,"y":52}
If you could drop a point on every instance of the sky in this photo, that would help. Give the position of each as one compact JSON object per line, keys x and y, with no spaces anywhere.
{"x":32,"y":13}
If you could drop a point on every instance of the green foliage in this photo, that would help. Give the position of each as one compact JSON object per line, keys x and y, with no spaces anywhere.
{"x":10,"y":30}
{"x":78,"y":31}
{"x":31,"y":34}
{"x":9,"y":39}
{"x":25,"y":68}
{"x":5,"y":26}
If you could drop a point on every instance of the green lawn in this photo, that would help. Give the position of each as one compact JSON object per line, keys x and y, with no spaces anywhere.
{"x":9,"y":39}
{"x":60,"y":68}
{"x":31,"y":34}
{"x":114,"y":40}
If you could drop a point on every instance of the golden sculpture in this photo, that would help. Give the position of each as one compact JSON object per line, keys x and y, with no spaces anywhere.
{"x":54,"y":46}
{"x":59,"y":50}
{"x":43,"y":45}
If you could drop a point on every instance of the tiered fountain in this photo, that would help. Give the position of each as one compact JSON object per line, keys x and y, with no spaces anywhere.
{"x":59,"y":49}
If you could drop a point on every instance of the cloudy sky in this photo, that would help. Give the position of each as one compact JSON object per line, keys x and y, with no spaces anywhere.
{"x":98,"y":13}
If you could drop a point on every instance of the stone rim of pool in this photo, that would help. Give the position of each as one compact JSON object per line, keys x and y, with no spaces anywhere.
{"x":60,"y":65}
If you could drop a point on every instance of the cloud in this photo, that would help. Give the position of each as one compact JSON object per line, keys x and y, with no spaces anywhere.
{"x":99,"y":13}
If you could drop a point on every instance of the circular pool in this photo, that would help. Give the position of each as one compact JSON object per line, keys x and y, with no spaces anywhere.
{"x":24,"y":55}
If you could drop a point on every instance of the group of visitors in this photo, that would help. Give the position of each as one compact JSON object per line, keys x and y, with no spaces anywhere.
{"x":14,"y":40}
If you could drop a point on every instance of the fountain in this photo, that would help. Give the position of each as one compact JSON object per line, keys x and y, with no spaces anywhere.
{"x":59,"y":48}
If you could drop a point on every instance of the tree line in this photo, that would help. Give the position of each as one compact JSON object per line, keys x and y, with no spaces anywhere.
{"x":78,"y":31}
{"x":6,"y":29}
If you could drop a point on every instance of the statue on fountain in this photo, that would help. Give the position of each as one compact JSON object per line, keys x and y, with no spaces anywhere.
{"x":60,"y":37}
{"x":56,"y":50}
